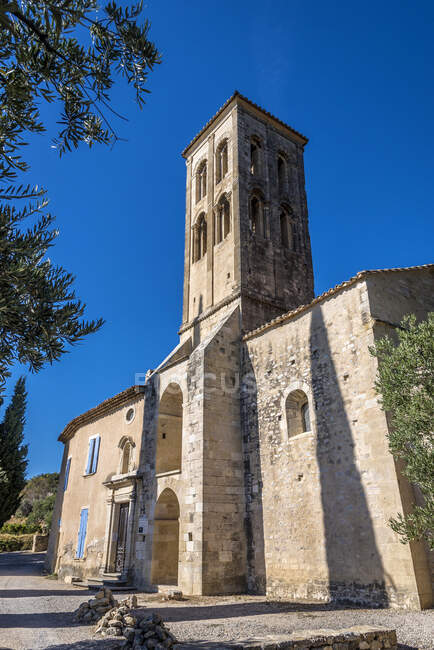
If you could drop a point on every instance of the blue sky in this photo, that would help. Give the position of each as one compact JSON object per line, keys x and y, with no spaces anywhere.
{"x":356,"y":78}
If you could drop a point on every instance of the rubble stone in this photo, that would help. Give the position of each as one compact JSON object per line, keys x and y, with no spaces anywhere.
{"x":95,"y":608}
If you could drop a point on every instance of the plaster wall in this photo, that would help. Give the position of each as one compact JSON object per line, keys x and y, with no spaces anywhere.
{"x":88,"y":490}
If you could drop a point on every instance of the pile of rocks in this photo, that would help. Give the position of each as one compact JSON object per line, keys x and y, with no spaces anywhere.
{"x":147,"y":632}
{"x":92,"y":610}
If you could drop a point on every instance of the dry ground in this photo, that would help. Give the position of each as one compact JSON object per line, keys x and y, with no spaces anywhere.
{"x":35,"y":614}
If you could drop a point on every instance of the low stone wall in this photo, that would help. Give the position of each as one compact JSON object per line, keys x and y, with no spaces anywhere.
{"x":360,"y":637}
{"x":40,"y":543}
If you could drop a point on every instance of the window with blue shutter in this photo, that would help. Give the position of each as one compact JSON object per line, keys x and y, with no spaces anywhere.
{"x":95,"y":454}
{"x":68,"y":466}
{"x":82,"y":533}
{"x":92,"y":456}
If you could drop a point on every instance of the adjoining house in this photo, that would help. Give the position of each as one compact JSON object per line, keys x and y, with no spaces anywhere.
{"x":255,"y":457}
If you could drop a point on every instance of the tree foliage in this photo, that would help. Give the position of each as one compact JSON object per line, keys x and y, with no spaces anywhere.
{"x":37,"y":489}
{"x":69,"y":52}
{"x":39,"y":312}
{"x":13,"y":453}
{"x":405,"y":382}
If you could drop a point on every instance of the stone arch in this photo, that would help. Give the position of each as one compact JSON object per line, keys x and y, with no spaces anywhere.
{"x":127,"y":452}
{"x":295,"y":396}
{"x":169,"y":430}
{"x":199,"y":236}
{"x":297,"y":413}
{"x":287,"y":227}
{"x":258,"y":225}
{"x":221,"y":159}
{"x":282,"y":172}
{"x":222,"y":218}
{"x":201,"y":180}
{"x":255,"y":155}
{"x":165,"y":544}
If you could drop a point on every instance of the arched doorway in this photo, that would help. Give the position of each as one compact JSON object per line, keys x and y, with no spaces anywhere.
{"x":169,"y":433}
{"x":165,"y":547}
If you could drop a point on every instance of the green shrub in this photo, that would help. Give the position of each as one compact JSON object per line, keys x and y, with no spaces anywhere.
{"x":10,"y":543}
{"x":18,"y":528}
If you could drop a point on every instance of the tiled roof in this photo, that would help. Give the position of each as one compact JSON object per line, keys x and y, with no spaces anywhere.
{"x":102,"y":409}
{"x":245,"y":99}
{"x":344,"y":285}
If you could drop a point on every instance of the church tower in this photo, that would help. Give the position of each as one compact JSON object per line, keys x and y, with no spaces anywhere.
{"x":246,"y":236}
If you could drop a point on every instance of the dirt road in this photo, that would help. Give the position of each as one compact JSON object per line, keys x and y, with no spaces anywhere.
{"x":35,"y":614}
{"x":35,"y":611}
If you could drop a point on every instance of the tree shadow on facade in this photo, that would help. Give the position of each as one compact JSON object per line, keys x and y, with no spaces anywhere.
{"x":254,"y":520}
{"x":355,"y":568}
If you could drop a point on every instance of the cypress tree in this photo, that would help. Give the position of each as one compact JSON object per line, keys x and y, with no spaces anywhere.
{"x":13,"y":453}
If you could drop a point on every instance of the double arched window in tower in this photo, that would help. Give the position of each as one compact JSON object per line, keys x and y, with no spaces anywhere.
{"x":199,"y":237}
{"x":258,"y":225}
{"x":221,"y":161}
{"x":223,"y":220}
{"x":255,"y":156}
{"x":288,"y":233}
{"x":201,"y":176}
{"x":282,"y":174}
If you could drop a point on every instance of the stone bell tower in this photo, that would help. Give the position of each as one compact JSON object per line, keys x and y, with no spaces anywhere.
{"x":247,"y":235}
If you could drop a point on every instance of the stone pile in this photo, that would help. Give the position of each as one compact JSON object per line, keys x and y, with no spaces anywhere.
{"x":92,"y":610}
{"x":147,"y":632}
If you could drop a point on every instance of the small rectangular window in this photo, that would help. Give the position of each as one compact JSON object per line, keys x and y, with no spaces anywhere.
{"x":82,"y":534}
{"x":92,"y":456}
{"x":67,"y":469}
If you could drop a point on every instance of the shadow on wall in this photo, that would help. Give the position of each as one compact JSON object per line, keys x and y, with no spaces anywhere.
{"x":354,"y":564}
{"x":54,"y":548}
{"x":254,"y":520}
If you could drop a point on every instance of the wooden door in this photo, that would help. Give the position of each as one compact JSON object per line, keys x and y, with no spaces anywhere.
{"x":122,"y":538}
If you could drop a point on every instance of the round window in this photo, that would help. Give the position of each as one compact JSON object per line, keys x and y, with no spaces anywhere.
{"x":129,"y":416}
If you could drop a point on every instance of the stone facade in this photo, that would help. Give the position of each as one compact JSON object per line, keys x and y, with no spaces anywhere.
{"x":256,"y":457}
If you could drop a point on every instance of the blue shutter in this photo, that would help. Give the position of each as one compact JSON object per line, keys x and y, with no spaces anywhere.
{"x":90,"y":455}
{"x":97,"y":440}
{"x":82,"y":533}
{"x":68,"y":465}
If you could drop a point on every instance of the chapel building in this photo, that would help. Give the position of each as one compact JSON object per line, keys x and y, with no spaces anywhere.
{"x":255,"y":458}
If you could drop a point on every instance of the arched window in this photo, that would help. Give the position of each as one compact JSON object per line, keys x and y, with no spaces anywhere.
{"x":286,"y":228}
{"x":199,"y":238}
{"x":297,"y":413}
{"x":223,"y":220}
{"x":126,"y":458}
{"x":126,"y":446}
{"x":169,"y":431}
{"x":257,"y":216}
{"x":201,"y":182}
{"x":255,"y":156}
{"x":221,"y":163}
{"x":281,"y":173}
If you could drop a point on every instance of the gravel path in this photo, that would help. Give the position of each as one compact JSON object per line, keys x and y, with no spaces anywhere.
{"x":35,"y":614}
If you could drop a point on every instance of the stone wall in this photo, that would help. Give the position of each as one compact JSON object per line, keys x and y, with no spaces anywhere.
{"x":318,"y":503}
{"x":274,"y":279}
{"x":224,"y":555}
{"x":360,"y":637}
